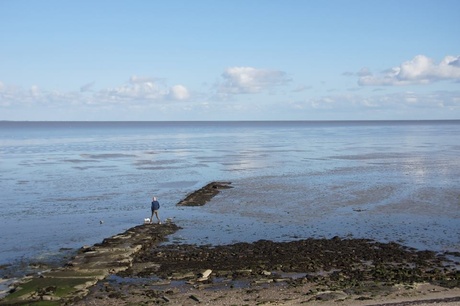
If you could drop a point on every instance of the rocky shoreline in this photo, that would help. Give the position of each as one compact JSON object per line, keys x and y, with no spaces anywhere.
{"x":132,"y":268}
{"x":66,"y":285}
{"x":347,"y":271}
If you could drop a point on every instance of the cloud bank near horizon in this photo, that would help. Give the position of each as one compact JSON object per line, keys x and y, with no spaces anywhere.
{"x":236,"y":83}
{"x":420,"y":70}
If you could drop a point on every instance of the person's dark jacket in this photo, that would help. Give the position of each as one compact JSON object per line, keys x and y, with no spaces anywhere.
{"x":155,"y":205}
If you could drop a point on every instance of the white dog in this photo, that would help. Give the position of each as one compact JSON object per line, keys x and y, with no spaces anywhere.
{"x":147,"y":221}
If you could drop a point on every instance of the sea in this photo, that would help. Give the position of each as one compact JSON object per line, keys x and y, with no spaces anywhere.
{"x":64,"y":185}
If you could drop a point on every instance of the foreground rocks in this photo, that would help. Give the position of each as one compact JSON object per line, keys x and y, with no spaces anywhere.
{"x":333,"y":263}
{"x":338,"y":271}
{"x":90,"y":265}
{"x":346,"y":271}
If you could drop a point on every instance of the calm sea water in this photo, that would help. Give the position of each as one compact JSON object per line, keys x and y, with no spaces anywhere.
{"x":388,"y":181}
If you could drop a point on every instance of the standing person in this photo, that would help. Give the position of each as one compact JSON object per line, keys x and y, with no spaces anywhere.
{"x":155,"y":208}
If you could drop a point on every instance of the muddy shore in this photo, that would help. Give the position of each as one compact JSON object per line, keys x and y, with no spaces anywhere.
{"x":314,"y":271}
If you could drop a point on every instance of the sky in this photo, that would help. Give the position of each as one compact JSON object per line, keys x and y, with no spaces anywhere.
{"x":164,"y":60}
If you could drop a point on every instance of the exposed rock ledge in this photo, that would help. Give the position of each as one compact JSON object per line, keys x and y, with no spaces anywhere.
{"x":91,"y":264}
{"x":205,"y":194}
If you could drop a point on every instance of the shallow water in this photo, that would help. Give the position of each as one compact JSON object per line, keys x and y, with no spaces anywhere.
{"x":67,"y":184}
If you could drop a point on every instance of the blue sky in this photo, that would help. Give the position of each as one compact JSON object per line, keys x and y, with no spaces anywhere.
{"x":229,"y":60}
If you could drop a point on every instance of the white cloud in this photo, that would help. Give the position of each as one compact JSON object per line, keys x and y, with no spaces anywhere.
{"x":137,"y":91}
{"x":248,"y":80}
{"x":14,"y":95}
{"x":4,"y":101}
{"x":406,"y":101}
{"x":138,"y":88}
{"x":179,"y":92}
{"x":35,"y":91}
{"x":144,"y":89}
{"x":419,"y":70}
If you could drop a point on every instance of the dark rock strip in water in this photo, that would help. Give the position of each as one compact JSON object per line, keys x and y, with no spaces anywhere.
{"x":205,"y":194}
